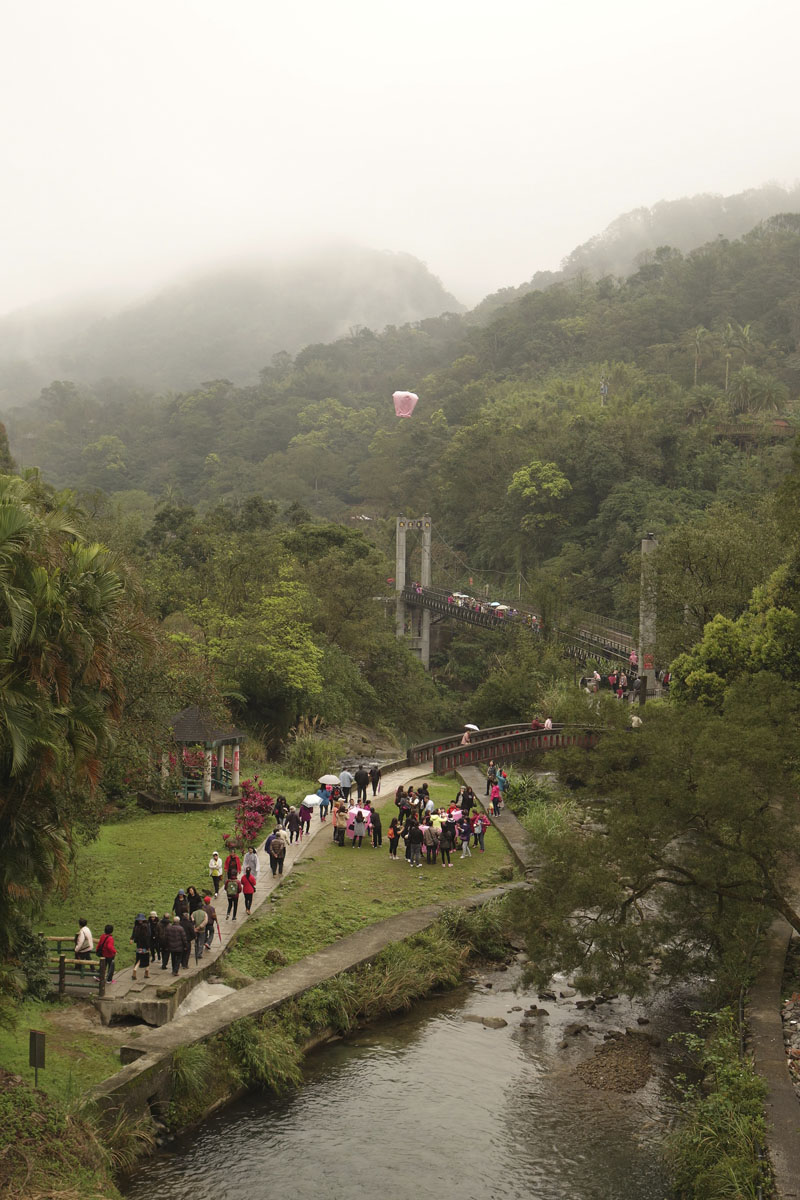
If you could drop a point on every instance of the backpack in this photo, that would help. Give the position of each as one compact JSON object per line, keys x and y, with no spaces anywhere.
{"x":232,"y":886}
{"x":277,"y":848}
{"x":99,"y":947}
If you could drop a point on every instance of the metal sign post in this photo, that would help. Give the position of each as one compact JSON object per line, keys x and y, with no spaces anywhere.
{"x":36,"y":1053}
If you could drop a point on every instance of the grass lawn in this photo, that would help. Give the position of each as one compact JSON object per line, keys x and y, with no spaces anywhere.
{"x":138,"y":864}
{"x":340,"y":890}
{"x":74,"y":1061}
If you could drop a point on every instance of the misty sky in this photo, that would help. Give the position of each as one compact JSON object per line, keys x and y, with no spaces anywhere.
{"x":487,"y":138}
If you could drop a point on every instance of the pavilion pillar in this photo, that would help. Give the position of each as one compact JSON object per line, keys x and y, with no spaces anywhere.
{"x":207,"y":774}
{"x":235,"y":771}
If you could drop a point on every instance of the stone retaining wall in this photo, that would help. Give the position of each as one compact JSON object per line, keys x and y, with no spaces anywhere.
{"x":145,"y":1081}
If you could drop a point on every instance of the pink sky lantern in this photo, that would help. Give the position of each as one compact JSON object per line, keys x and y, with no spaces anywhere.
{"x":405,"y":403}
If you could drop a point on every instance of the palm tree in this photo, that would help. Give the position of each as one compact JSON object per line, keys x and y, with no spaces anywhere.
{"x":61,"y":617}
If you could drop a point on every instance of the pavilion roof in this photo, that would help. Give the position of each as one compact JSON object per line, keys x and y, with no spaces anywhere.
{"x":193,"y":725}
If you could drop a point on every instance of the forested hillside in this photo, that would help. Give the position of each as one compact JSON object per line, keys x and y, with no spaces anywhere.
{"x":545,"y":442}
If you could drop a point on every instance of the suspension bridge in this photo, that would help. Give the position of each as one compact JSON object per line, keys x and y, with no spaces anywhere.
{"x":419,"y":605}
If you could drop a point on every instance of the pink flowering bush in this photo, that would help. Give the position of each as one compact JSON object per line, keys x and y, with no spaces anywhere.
{"x":254,"y":806}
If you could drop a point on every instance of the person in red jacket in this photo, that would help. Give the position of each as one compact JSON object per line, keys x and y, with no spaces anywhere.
{"x":248,"y":882}
{"x":233,"y":866}
{"x":107,"y":952}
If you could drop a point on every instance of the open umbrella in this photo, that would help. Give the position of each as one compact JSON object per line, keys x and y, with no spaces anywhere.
{"x":329,"y":779}
{"x":473,"y":727}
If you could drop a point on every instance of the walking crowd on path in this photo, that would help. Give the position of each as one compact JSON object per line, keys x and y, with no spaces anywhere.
{"x":189,"y":928}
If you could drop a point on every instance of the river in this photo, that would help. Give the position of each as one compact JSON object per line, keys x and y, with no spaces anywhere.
{"x":430,"y":1101}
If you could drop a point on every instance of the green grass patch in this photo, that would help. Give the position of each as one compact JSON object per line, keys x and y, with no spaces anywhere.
{"x":341,"y":890}
{"x":137,"y":865}
{"x":74,"y":1061}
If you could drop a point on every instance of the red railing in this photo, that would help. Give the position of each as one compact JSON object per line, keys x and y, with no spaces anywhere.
{"x":425,"y":751}
{"x":512,"y":745}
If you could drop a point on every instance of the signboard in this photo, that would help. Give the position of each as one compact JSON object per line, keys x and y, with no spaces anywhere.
{"x":36,"y":1053}
{"x":648,"y":662}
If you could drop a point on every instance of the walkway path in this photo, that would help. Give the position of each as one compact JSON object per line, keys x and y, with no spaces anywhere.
{"x":146,"y":998}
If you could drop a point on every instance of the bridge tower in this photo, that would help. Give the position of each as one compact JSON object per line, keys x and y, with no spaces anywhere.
{"x":413,"y":624}
{"x":647,"y":616}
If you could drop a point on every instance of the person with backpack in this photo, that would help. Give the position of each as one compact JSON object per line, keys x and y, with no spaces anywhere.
{"x":277,"y":853}
{"x":480,"y":823}
{"x":248,"y":882}
{"x":155,"y":938}
{"x":106,"y":951}
{"x":233,"y":865}
{"x":464,"y":834}
{"x":491,"y":775}
{"x":232,"y":890}
{"x":84,"y":943}
{"x":293,"y":824}
{"x":305,"y":819}
{"x":140,"y":938}
{"x":199,"y":920}
{"x":177,"y":944}
{"x":324,"y":794}
{"x":393,"y":833}
{"x":414,"y":840}
{"x":211,"y":920}
{"x":187,"y":925}
{"x":340,"y":824}
{"x":447,"y":840}
{"x":359,"y":829}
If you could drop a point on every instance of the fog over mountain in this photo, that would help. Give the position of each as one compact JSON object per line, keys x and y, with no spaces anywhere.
{"x":226,"y":323}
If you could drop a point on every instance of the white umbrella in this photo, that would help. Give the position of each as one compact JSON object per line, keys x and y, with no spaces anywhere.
{"x":473,"y":727}
{"x":495,"y":604}
{"x":329,"y":779}
{"x":312,"y":801}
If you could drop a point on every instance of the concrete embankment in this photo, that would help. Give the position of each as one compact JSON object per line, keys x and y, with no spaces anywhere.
{"x":769,"y":1055}
{"x":144,"y":1083}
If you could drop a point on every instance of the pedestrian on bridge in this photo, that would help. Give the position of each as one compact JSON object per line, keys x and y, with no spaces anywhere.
{"x":491,"y":775}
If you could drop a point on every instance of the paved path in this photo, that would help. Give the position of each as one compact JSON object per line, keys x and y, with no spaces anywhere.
{"x":126,"y":994}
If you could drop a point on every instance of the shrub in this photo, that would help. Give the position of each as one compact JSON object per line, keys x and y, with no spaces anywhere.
{"x":307,"y":754}
{"x":191,"y":1071}
{"x":482,"y":930}
{"x":715,"y":1153}
{"x":265,"y":1055}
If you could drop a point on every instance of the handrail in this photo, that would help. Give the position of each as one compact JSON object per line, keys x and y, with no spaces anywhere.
{"x":513,"y":745}
{"x":422,"y":751}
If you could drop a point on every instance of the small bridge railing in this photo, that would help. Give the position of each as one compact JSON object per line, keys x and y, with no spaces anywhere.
{"x":67,"y":971}
{"x":513,"y":745}
{"x":425,"y":751}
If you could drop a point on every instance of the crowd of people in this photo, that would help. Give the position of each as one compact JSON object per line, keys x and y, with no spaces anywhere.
{"x":427,"y":832}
